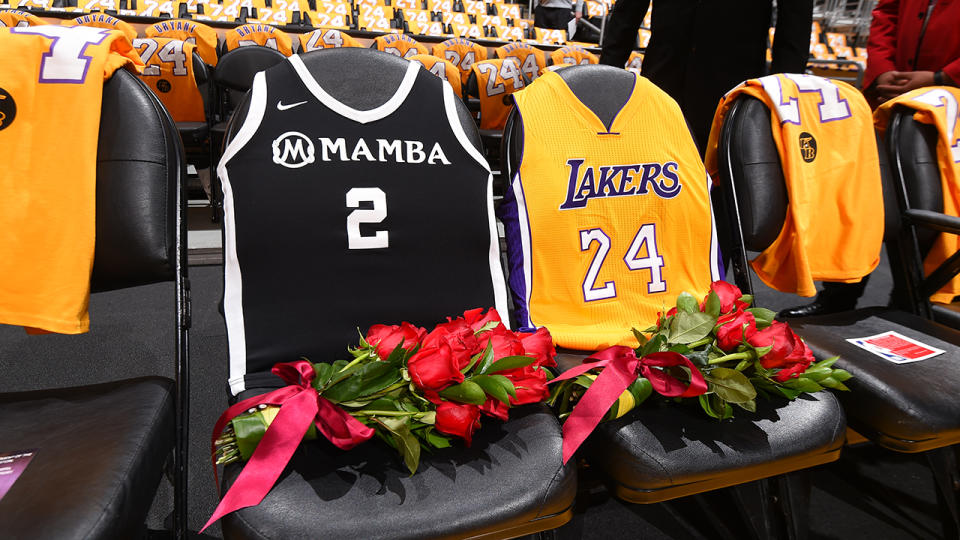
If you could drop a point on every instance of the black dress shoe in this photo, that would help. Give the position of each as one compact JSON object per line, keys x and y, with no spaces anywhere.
{"x":817,"y":307}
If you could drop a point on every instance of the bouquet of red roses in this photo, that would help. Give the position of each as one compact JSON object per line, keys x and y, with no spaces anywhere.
{"x":720,"y":350}
{"x":408,"y":387}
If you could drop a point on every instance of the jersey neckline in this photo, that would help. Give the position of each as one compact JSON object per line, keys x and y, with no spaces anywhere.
{"x":587,"y":113}
{"x":337,"y":106}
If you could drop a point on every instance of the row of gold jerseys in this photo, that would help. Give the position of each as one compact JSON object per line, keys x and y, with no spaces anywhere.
{"x":474,"y":19}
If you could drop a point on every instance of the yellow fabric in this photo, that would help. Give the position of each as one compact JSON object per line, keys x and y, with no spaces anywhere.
{"x":824,"y":134}
{"x":496,"y":80}
{"x":573,"y":55}
{"x":326,"y":38}
{"x":462,"y":53}
{"x":532,"y":60}
{"x":635,"y":60}
{"x":937,"y":106}
{"x":11,"y":18}
{"x":169,"y":73}
{"x":102,"y":20}
{"x":441,"y":68}
{"x":400,"y":45}
{"x":51,"y":95}
{"x":582,"y":181}
{"x":259,"y":34}
{"x":202,"y":36}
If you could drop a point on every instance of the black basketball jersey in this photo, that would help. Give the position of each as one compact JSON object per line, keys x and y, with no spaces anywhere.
{"x":337,"y":219}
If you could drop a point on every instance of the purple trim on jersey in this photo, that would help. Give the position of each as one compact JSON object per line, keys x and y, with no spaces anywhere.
{"x":721,"y":271}
{"x":509,"y":214}
{"x":49,"y":54}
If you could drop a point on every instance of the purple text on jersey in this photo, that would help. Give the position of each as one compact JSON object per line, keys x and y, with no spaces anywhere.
{"x":619,"y":181}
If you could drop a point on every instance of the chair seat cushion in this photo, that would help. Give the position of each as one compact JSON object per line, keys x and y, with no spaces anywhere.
{"x":664,"y":450}
{"x":510,"y":481}
{"x":906,"y":407}
{"x":100,"y":451}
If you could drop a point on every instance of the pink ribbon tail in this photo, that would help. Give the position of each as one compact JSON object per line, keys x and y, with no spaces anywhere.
{"x":620,"y":366}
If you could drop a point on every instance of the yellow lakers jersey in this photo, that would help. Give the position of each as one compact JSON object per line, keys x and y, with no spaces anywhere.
{"x":496,"y":81}
{"x":441,"y":68}
{"x":532,"y":60}
{"x":400,"y":45}
{"x":824,"y":134}
{"x":259,"y":34}
{"x":50,"y":93}
{"x":573,"y":55}
{"x":605,"y":224}
{"x":462,"y":53}
{"x":102,"y":20}
{"x":938,"y":106}
{"x":169,"y":73}
{"x":326,"y":38}
{"x":199,"y":35}
{"x":11,"y":18}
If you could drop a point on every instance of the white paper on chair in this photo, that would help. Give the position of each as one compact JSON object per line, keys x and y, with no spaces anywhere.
{"x":896,"y":348}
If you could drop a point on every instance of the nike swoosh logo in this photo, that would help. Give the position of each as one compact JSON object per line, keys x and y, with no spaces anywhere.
{"x":282,"y":107}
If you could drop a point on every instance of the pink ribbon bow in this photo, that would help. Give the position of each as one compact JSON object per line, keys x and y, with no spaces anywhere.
{"x":620,"y":370}
{"x":299,"y":406}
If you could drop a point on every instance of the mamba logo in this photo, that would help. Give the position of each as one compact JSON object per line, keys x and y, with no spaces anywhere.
{"x":808,"y":147}
{"x":293,"y":150}
{"x":8,"y":109}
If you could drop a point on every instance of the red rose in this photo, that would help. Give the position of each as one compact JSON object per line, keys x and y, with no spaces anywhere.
{"x":789,"y":352}
{"x":531,"y":385}
{"x":459,"y":419}
{"x":539,"y":345}
{"x":670,"y":313}
{"x":505,"y":342}
{"x":387,"y":338}
{"x":495,"y":408}
{"x":476,"y":318}
{"x":729,"y":296}
{"x":459,"y":336}
{"x":732,"y":333}
{"x":434,"y":368}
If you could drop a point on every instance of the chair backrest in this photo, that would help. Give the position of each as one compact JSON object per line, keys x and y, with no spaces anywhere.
{"x":492,"y":81}
{"x":330,"y":245}
{"x":235,"y":70}
{"x":140,"y":229}
{"x":750,"y":164}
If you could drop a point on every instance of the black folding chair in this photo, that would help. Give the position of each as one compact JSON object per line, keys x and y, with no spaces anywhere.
{"x":903,"y":407}
{"x":102,"y":449}
{"x":511,"y":480}
{"x":659,"y":453}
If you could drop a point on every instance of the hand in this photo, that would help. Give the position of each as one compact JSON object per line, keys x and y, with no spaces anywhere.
{"x":578,"y":16}
{"x":893,"y":83}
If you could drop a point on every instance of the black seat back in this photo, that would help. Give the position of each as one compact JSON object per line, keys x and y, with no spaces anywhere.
{"x":754,"y":186}
{"x":201,"y":73}
{"x":235,"y":70}
{"x":140,"y":168}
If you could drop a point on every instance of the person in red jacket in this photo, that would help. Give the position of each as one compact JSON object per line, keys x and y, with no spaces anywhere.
{"x":912,"y":44}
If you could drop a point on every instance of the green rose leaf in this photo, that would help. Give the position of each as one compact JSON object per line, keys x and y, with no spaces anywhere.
{"x":406,"y":443}
{"x":690,"y":327}
{"x":641,"y":339}
{"x":699,"y":358}
{"x":713,"y":304}
{"x":506,"y":383}
{"x":763,"y":316}
{"x":493,"y":387}
{"x":465,"y":392}
{"x":749,"y":405}
{"x":509,"y":362}
{"x":715,"y":407}
{"x":435,"y":439}
{"x":825,"y":363}
{"x":366,"y":379}
{"x":731,"y":385}
{"x":789,"y":393}
{"x":654,"y":345}
{"x":322,"y":374}
{"x":486,"y":359}
{"x":686,"y":303}
{"x":746,"y":299}
{"x":830,"y":382}
{"x":841,"y":375}
{"x":803,"y":384}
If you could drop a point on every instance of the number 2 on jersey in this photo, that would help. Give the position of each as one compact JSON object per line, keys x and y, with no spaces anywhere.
{"x":646,"y":236}
{"x":356,"y":240}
